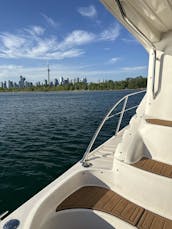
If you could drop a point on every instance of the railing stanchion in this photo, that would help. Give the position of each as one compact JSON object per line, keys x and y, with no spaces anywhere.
{"x":121,"y":115}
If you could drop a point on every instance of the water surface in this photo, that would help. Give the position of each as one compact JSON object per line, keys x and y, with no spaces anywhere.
{"x":43,"y":134}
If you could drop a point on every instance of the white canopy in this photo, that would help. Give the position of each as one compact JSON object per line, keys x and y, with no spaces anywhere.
{"x":152,"y":17}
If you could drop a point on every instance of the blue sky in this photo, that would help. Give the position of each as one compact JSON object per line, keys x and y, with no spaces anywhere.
{"x":76,"y":37}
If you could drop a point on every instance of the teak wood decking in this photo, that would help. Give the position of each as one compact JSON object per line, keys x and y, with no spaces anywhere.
{"x":105,"y":200}
{"x":159,"y":122}
{"x":156,"y":167}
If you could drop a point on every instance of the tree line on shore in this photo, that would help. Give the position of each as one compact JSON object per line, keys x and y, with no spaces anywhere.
{"x":128,"y":83}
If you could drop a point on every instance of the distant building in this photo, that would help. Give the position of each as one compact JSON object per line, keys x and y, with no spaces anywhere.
{"x":16,"y":85}
{"x":1,"y":85}
{"x":66,"y":82}
{"x":84,"y":80}
{"x":10,"y":84}
{"x":61,"y":80}
{"x":38,"y":83}
{"x":51,"y":84}
{"x":48,"y":75}
{"x":28,"y":84}
{"x":5,"y":85}
{"x":56,"y":82}
{"x":22,"y":82}
{"x":45,"y":83}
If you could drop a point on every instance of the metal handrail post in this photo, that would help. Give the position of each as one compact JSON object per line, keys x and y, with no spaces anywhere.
{"x":93,"y":140}
{"x":121,"y":115}
{"x":153,"y":75}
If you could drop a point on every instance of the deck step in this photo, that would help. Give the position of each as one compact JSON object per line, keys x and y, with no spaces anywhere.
{"x":160,"y":122}
{"x":105,"y":200}
{"x":156,"y":167}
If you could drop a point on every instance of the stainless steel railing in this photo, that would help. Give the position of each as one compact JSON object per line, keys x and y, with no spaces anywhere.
{"x":4,"y":214}
{"x":107,"y":117}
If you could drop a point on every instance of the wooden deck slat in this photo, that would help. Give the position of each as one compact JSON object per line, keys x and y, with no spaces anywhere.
{"x":111,"y":203}
{"x":102,"y":199}
{"x":159,"y":122}
{"x":153,"y":166}
{"x":157,"y":168}
{"x":105,"y":199}
{"x":146,"y":221}
{"x":151,"y":220}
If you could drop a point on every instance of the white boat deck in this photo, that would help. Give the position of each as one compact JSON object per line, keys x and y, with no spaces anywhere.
{"x":102,"y":157}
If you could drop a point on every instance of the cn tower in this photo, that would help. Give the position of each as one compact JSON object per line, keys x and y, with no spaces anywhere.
{"x":48,"y":75}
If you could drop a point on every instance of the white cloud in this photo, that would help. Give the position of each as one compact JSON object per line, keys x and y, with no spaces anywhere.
{"x":114,"y":60}
{"x":89,"y":11}
{"x":32,"y":42}
{"x":134,"y":68}
{"x":38,"y":30}
{"x":11,"y":41}
{"x":71,"y":53}
{"x":77,"y":37}
{"x":111,"y":33}
{"x":130,"y":40}
{"x":50,"y":21}
{"x":34,"y":31}
{"x":106,"y":48}
{"x":29,"y":43}
{"x":7,"y":72}
{"x":10,"y":67}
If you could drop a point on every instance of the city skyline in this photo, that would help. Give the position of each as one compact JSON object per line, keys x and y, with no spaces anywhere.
{"x":24,"y":83}
{"x":75,"y":38}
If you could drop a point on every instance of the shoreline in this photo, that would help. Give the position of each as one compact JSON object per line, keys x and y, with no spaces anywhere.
{"x":46,"y":91}
{"x":137,"y":83}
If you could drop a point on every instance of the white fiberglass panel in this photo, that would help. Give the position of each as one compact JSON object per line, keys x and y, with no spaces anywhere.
{"x":153,"y":18}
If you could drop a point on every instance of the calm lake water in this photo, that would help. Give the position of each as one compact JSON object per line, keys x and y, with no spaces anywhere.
{"x":43,"y":134}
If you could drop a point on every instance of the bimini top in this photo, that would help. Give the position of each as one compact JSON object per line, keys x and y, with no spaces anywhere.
{"x":152,"y":17}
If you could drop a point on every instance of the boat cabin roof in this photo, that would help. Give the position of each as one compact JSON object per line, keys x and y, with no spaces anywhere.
{"x":153,"y":18}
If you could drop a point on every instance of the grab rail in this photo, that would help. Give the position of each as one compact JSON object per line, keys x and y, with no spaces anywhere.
{"x":107,"y":117}
{"x":3,"y":215}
